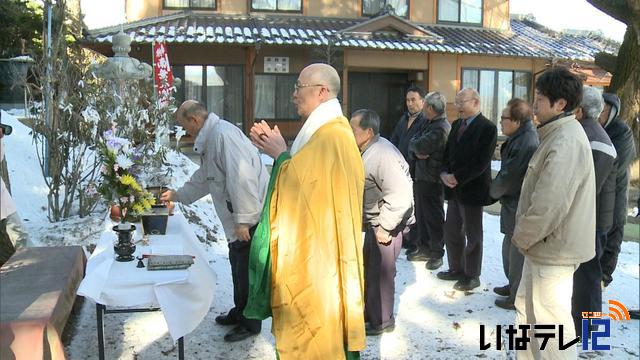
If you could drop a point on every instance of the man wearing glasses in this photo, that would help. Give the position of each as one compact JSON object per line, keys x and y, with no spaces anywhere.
{"x":306,"y":256}
{"x":466,"y":175}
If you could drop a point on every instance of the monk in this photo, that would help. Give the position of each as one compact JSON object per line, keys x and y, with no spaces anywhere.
{"x":306,"y":267}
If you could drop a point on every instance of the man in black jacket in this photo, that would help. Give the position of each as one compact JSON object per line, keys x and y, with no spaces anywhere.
{"x":409,"y":125}
{"x":622,"y":139}
{"x":426,"y":151}
{"x":466,"y":175}
{"x":587,"y":293}
{"x":411,"y":122}
{"x":515,"y":154}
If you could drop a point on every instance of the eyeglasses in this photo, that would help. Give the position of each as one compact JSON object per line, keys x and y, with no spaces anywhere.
{"x":504,"y":118}
{"x":297,"y":86}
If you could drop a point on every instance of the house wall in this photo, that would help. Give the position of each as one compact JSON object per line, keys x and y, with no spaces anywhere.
{"x":495,"y":12}
{"x":298,"y":57}
{"x":333,"y":8}
{"x":423,"y":11}
{"x":386,"y":59}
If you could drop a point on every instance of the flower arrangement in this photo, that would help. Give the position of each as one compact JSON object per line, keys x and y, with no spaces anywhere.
{"x":120,"y":167}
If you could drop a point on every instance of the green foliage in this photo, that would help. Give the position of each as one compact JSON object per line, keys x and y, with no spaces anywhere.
{"x":20,"y":28}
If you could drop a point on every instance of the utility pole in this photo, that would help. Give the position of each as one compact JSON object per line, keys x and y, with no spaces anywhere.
{"x":47,"y":86}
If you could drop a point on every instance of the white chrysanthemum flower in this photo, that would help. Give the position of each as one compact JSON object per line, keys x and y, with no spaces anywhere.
{"x":123,"y":161}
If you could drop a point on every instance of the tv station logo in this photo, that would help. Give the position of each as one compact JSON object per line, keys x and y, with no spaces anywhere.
{"x":519,"y":337}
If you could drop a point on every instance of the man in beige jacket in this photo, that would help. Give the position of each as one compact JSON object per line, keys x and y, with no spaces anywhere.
{"x":556,"y":218}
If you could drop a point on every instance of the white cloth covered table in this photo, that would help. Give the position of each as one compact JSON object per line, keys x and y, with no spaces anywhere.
{"x":184,"y":296}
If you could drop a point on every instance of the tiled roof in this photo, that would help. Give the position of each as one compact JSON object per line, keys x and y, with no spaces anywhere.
{"x":526,"y":38}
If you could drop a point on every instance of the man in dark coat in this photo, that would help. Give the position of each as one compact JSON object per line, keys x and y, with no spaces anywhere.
{"x":622,"y":139}
{"x":410,"y":124}
{"x":515,"y":153}
{"x":467,"y":175}
{"x":587,"y":292}
{"x":426,"y":151}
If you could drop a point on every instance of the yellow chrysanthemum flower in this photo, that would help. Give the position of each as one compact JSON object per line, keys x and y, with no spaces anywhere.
{"x":127,"y":179}
{"x":138,"y":208}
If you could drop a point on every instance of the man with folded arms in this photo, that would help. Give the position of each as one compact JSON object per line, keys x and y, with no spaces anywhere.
{"x":466,"y":176}
{"x":556,"y":216}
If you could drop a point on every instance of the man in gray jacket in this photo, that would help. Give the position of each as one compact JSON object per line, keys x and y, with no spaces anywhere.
{"x":231,"y":171}
{"x":388,"y":209}
{"x":556,"y":218}
{"x":426,"y":154}
{"x":622,"y":139}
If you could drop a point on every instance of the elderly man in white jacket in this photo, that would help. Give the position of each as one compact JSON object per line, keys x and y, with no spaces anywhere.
{"x":231,"y":171}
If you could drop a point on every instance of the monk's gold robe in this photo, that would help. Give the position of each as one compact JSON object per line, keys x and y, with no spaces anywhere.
{"x":313,"y":247}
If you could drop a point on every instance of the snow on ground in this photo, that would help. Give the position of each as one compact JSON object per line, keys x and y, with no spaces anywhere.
{"x":432,"y":320}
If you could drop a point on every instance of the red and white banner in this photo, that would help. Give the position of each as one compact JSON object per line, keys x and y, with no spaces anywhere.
{"x":162,"y":70}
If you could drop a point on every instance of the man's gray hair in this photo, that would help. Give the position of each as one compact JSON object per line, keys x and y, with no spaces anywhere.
{"x":592,"y":102}
{"x":473,"y":93}
{"x":369,"y":119}
{"x":437,"y":102}
{"x":193,"y":108}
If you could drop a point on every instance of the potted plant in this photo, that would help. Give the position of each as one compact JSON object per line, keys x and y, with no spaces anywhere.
{"x":120,"y":187}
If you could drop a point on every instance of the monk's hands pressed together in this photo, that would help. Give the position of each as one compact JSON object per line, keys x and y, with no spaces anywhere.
{"x":268,"y":140}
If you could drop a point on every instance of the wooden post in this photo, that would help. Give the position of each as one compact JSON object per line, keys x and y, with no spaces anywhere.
{"x":248,"y":88}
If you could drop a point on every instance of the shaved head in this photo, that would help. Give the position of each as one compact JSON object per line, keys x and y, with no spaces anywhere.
{"x":323,"y":74}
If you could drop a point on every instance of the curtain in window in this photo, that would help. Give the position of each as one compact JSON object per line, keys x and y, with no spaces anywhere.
{"x":203,"y":3}
{"x":448,"y":10}
{"x":264,"y":4}
{"x":285,"y":109}
{"x":400,"y":6}
{"x":265,"y":90}
{"x":470,"y":79}
{"x":193,"y":82}
{"x":234,"y":94}
{"x":176,"y":3}
{"x":505,"y":86}
{"x":487,"y":86}
{"x":216,"y":91}
{"x":370,"y":7}
{"x":291,"y":5}
{"x":522,"y":85}
{"x":471,"y":11}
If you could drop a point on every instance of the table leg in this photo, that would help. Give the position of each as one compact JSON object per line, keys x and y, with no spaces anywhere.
{"x":100,"y":326}
{"x":181,"y":348}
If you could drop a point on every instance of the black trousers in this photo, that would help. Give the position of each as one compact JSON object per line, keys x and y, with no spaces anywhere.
{"x":379,"y":278}
{"x":6,"y":246}
{"x":463,"y":238}
{"x":587,"y":291}
{"x":609,"y":259}
{"x":429,"y":201}
{"x":512,"y":263}
{"x":239,"y":259}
